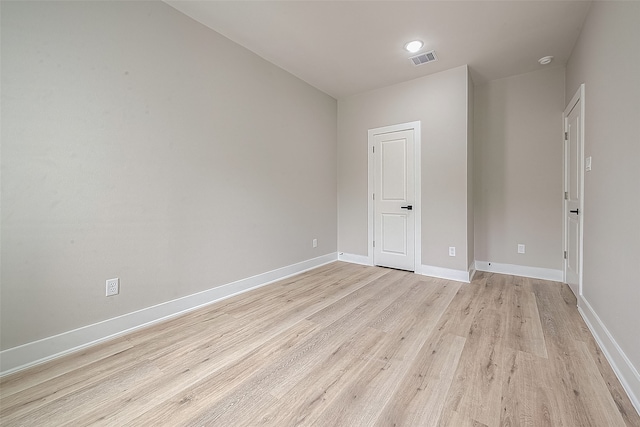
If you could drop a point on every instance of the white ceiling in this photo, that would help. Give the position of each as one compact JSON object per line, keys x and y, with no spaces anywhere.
{"x":348,"y":47}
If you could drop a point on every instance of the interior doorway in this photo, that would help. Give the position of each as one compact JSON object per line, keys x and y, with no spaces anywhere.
{"x":573,"y":211}
{"x":394,"y":196}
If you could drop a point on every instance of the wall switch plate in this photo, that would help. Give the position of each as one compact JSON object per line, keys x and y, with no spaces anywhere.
{"x":113,"y":287}
{"x":452,"y":251}
{"x":314,"y":243}
{"x":520,"y":249}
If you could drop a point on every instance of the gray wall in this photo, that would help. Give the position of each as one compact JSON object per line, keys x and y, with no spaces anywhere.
{"x":137,"y":143}
{"x":518,"y":169}
{"x":439,"y":101}
{"x":607,"y":59}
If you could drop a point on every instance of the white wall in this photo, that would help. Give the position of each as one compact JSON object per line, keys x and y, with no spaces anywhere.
{"x":439,"y":101}
{"x":607,"y":60}
{"x":518,"y":169}
{"x":139,"y":144}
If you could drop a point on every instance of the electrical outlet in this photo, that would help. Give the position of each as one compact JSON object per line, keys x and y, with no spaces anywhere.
{"x":314,"y":243}
{"x":452,"y":251}
{"x":113,"y":287}
{"x":520,"y":248}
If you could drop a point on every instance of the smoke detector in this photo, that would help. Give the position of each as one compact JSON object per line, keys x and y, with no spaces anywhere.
{"x":545,"y":60}
{"x":423,"y":58}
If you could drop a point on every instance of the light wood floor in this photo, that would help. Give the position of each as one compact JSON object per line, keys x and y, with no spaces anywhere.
{"x":342,"y":345}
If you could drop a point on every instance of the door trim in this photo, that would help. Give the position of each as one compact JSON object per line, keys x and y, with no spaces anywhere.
{"x":417,"y":209}
{"x":578,"y":97}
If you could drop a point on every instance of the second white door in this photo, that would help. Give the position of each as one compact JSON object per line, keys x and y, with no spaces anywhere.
{"x":573,"y":146}
{"x":394,"y":196}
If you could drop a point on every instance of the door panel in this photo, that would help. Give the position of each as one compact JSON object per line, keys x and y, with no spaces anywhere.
{"x":394,"y":192}
{"x":394,"y":234}
{"x":573,"y":231}
{"x":393,"y":170}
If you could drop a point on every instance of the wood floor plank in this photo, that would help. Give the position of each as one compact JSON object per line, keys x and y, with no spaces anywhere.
{"x":303,"y":403}
{"x":420,"y":296}
{"x":462,"y":310}
{"x":527,"y":393}
{"x":199,"y":389}
{"x":297,"y":359}
{"x":631,"y":418}
{"x":139,"y":402}
{"x":43,"y":372}
{"x":371,"y":391}
{"x":476,"y":391}
{"x":524,"y":330}
{"x":342,"y":344}
{"x":557,"y":318}
{"x":342,"y":330}
{"x":420,"y":399}
{"x":455,"y":419}
{"x":603,"y":409}
{"x":33,"y":398}
{"x":585,"y":398}
{"x":250,"y":333}
{"x":72,"y":405}
{"x":323,"y":280}
{"x":391,"y":281}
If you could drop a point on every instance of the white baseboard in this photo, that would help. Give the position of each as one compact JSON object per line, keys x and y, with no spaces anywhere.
{"x":520,"y":270}
{"x":425,"y":270}
{"x":622,"y":366}
{"x":472,"y":270}
{"x":24,"y":356}
{"x":355,"y":259}
{"x":446,"y":273}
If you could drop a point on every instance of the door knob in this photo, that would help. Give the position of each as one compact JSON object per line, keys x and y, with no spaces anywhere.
{"x":409,"y":207}
{"x":577,"y":212}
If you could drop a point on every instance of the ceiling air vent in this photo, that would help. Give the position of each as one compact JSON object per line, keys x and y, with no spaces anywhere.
{"x":423,"y":58}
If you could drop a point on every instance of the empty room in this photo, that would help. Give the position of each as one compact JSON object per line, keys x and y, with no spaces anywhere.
{"x":319,"y":213}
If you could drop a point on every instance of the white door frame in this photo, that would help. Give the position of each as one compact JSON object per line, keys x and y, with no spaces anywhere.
{"x":417,"y":206}
{"x":578,"y":97}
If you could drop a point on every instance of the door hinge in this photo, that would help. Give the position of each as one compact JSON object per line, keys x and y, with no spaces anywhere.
{"x":374,"y":149}
{"x":566,"y":136}
{"x":374,"y":243}
{"x":566,"y":195}
{"x":374,"y":196}
{"x":565,"y":254}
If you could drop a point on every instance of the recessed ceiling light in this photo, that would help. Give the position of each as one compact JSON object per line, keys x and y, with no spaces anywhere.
{"x":545,"y":60}
{"x":414,"y":46}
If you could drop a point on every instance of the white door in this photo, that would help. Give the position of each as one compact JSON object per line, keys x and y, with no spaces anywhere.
{"x":394,"y":197}
{"x":573,"y":146}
